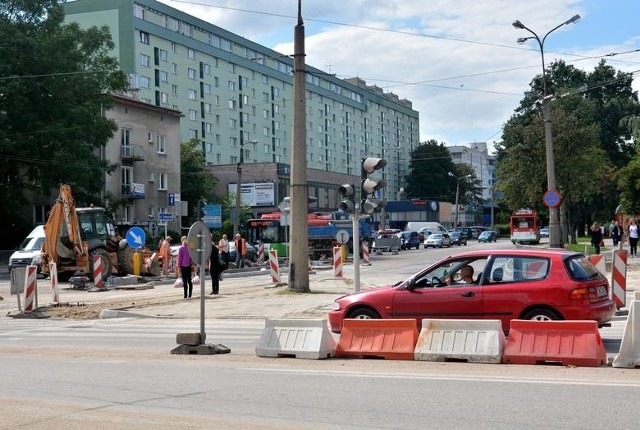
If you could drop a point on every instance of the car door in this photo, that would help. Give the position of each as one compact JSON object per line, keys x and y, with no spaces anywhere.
{"x":437,"y":301}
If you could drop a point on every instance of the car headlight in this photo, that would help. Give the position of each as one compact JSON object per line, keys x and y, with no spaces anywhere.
{"x":335,"y":306}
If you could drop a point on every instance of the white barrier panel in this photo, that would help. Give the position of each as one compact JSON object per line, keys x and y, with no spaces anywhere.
{"x":629,"y":355}
{"x":309,"y":339}
{"x":275,"y":268}
{"x":476,"y":341}
{"x":53,"y":274}
{"x":598,"y":261}
{"x":30,"y":289}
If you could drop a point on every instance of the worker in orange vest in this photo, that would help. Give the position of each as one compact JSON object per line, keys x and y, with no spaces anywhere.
{"x":241,"y":250}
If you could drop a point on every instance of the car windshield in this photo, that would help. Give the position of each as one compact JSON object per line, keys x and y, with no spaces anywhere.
{"x":435,"y":236}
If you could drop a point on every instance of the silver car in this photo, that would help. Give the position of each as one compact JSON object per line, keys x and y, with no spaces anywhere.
{"x":437,"y":240}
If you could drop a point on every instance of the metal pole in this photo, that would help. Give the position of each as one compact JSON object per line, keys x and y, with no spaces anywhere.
{"x":356,"y":250}
{"x":203,"y":261}
{"x":236,"y":218}
{"x":457,"y":194}
{"x":555,"y":239}
{"x":299,"y":235}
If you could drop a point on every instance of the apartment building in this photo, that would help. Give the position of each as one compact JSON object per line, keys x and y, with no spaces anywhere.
{"x":236,"y":94}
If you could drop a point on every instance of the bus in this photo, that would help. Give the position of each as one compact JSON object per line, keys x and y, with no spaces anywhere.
{"x":322,"y":230}
{"x":525,"y":226}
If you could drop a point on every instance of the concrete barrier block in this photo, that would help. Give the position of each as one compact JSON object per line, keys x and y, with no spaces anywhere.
{"x":629,"y":354}
{"x":299,"y":338}
{"x":191,"y":339}
{"x":475,"y":341}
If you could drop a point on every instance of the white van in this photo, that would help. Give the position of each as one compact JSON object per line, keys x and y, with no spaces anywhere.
{"x":433,"y":227}
{"x":29,"y":251}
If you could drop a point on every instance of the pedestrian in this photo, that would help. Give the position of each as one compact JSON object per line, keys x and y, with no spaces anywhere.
{"x":633,"y":238}
{"x":184,"y":261}
{"x":223,"y":247}
{"x":241,"y":250}
{"x":616,"y":233}
{"x":215,"y":268}
{"x":165,"y":253}
{"x":597,"y":237}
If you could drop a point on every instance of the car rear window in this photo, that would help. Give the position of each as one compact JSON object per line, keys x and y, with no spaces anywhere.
{"x":580,"y":268}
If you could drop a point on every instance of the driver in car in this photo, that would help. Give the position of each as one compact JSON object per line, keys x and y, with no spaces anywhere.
{"x":466,"y":273}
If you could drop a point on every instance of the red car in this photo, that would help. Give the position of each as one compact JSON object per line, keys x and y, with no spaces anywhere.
{"x":504,"y":284}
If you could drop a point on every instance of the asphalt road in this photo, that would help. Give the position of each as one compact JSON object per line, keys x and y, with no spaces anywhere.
{"x":119,"y":373}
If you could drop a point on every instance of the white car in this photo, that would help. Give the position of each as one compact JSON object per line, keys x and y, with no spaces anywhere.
{"x":437,"y":240}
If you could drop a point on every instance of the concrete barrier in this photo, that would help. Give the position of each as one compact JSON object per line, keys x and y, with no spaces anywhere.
{"x":393,"y":339}
{"x":629,"y":354}
{"x":299,"y":338}
{"x":576,"y":343}
{"x":475,"y":341}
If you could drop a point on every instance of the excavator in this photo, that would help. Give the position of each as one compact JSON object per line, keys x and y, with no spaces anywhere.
{"x":75,"y":236}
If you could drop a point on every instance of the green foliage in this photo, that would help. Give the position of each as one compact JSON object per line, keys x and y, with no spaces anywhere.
{"x":55,"y":81}
{"x":196,"y":182}
{"x":590,"y":141}
{"x":429,"y":177}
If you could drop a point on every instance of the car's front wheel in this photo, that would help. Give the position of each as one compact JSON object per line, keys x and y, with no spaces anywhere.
{"x":542,"y":315}
{"x":363,"y":314}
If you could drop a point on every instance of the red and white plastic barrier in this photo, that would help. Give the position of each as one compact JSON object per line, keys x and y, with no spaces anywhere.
{"x":97,"y":272}
{"x":337,"y":261}
{"x":598,"y":261}
{"x":30,"y":288}
{"x":619,"y":278}
{"x":365,"y":253}
{"x":53,"y":274}
{"x":260,"y":251}
{"x":275,"y":268}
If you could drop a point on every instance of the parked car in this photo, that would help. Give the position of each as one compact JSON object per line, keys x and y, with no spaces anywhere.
{"x":544,"y":232}
{"x":530,"y":284}
{"x":29,"y":251}
{"x":488,"y":236}
{"x":458,"y":237}
{"x":437,"y":240}
{"x":387,"y":241}
{"x":409,"y":239}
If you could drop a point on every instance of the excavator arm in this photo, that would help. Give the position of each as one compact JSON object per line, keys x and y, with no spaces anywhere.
{"x":63,"y":213}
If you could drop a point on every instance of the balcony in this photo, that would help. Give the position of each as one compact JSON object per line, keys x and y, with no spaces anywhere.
{"x":133,"y":191}
{"x":132,"y":153}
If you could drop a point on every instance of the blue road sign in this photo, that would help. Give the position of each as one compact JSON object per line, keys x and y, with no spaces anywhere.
{"x":212,"y":216}
{"x":551,"y":199}
{"x":136,"y":237}
{"x":165,"y":216}
{"x":172,"y":199}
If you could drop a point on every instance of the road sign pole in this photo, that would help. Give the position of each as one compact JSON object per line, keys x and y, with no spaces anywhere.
{"x":356,"y":250}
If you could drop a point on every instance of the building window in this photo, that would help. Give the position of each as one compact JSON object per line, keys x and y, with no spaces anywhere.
{"x":206,"y":68}
{"x":164,"y":77}
{"x":174,"y":90}
{"x":207,"y":88}
{"x":226,"y":45}
{"x":145,"y":82}
{"x":232,"y":123}
{"x":265,"y":131}
{"x":191,"y":73}
{"x":233,"y":142}
{"x":144,"y":37}
{"x":207,"y":108}
{"x":265,"y":79}
{"x":150,"y":136}
{"x":232,"y":86}
{"x":138,"y":11}
{"x":144,"y":60}
{"x":191,"y":53}
{"x":161,"y":148}
{"x":208,"y":127}
{"x":164,"y":55}
{"x":174,"y":68}
{"x":192,"y":94}
{"x":193,"y":114}
{"x":232,"y":104}
{"x":164,"y":98}
{"x":162,"y":181}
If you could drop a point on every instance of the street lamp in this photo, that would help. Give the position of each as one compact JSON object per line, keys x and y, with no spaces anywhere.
{"x":236,"y":217}
{"x":457,"y":194}
{"x":554,"y":220}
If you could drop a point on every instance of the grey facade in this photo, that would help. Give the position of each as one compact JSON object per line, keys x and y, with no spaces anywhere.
{"x":233,"y":91}
{"x":146,"y":147}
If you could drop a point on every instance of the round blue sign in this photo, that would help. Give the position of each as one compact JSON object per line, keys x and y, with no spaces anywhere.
{"x":551,"y":199}
{"x":136,"y":237}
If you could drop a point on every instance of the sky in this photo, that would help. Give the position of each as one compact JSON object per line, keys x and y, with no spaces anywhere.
{"x":458,"y":61}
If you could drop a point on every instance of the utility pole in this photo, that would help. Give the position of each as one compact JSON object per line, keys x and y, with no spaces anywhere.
{"x":299,"y":251}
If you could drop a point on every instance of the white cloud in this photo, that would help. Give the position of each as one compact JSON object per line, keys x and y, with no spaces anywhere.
{"x":464,"y":72}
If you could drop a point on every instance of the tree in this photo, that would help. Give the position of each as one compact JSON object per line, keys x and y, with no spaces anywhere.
{"x":55,"y":84}
{"x":196,"y":182}
{"x":588,"y":137}
{"x":429,"y":172}
{"x":470,"y":192}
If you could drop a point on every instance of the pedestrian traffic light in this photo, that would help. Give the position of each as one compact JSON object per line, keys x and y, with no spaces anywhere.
{"x":368,"y":204}
{"x":348,"y":203}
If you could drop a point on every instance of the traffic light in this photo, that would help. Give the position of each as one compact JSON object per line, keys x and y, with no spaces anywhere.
{"x":369,"y":186}
{"x":348,"y":193}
